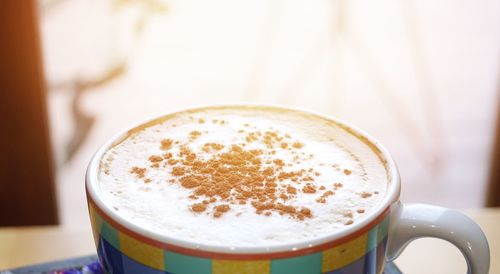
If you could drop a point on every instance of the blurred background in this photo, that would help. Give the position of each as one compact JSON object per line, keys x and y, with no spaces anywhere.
{"x":420,"y":76}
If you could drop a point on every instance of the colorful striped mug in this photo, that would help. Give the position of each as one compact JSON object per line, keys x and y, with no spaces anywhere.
{"x":364,"y":247}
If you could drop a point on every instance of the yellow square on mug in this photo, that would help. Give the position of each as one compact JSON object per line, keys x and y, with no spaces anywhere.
{"x":142,"y":252}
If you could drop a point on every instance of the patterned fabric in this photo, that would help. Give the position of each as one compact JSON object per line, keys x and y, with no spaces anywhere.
{"x":92,"y":268}
{"x":122,"y":253}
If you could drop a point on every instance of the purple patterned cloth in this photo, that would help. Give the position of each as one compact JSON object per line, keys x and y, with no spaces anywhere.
{"x":92,"y":268}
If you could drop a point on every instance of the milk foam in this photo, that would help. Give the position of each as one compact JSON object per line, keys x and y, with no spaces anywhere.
{"x":155,"y":200}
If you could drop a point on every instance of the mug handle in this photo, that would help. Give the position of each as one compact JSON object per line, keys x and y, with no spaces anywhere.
{"x":413,"y":221}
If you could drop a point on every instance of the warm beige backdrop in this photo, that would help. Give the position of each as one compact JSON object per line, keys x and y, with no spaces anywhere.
{"x":421,"y":76}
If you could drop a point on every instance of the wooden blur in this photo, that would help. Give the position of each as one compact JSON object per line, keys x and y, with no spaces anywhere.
{"x":27,"y":195}
{"x":493,"y":191}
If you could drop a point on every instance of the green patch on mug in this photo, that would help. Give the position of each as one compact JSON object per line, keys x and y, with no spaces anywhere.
{"x":184,"y":264}
{"x":110,"y":234}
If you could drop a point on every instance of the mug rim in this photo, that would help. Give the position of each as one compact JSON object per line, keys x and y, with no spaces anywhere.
{"x":345,"y":234}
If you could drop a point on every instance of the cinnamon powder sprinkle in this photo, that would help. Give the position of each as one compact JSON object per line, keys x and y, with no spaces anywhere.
{"x":325,"y":195}
{"x":365,"y":194}
{"x":178,"y":171}
{"x":212,"y":147}
{"x":237,"y":175}
{"x":221,"y":209}
{"x":194,"y":134}
{"x":347,"y":172}
{"x":224,"y":175}
{"x":198,"y":207}
{"x":138,"y":171}
{"x":338,"y":185}
{"x":166,"y":144}
{"x":155,"y":158}
{"x":298,"y":145}
{"x":309,"y":189}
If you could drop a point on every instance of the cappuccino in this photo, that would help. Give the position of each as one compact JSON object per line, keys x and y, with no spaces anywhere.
{"x":242,"y":176}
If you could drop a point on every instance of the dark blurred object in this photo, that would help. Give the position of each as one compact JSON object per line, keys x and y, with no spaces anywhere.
{"x":87,"y":264}
{"x":493,"y":192}
{"x":27,"y":195}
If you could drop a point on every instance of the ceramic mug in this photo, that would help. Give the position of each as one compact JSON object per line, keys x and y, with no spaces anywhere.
{"x":363,"y":247}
